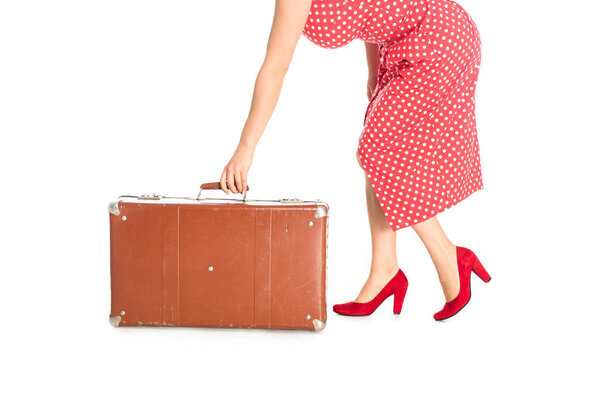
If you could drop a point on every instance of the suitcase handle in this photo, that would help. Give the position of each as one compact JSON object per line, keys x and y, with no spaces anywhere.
{"x":216,"y":186}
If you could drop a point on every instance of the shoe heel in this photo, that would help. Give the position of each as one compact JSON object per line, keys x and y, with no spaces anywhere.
{"x":398,"y":301}
{"x":480,"y":271}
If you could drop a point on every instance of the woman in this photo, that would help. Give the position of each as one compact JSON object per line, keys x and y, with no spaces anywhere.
{"x":418,"y":148}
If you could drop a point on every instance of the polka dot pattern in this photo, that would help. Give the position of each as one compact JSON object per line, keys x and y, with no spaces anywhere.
{"x":419,"y":143}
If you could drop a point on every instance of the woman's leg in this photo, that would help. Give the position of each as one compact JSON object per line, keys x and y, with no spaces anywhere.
{"x":384,"y":263}
{"x":443,"y":254}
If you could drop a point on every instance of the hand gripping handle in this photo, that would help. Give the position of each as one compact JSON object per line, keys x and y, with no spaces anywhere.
{"x":216,"y":186}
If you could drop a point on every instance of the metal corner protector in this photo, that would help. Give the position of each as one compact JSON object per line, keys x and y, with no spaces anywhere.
{"x":319,"y":325}
{"x":115,"y":321}
{"x":113,"y":208}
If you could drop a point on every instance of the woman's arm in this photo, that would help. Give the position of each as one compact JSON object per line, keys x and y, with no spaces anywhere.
{"x":372,"y":50}
{"x":288,"y":22}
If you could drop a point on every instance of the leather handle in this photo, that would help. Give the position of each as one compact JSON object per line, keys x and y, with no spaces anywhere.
{"x":214,"y":186}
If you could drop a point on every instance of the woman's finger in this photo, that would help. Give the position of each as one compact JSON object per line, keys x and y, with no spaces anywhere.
{"x":223,"y":182}
{"x":231,"y":181}
{"x":238,"y":182}
{"x":244,"y":182}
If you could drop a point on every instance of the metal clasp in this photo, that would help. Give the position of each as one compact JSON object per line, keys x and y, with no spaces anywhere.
{"x":294,"y":200}
{"x":153,"y":196}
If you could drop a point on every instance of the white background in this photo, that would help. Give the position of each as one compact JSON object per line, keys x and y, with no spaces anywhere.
{"x":103,"y":98}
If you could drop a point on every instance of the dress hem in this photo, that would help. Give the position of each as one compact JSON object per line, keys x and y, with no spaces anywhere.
{"x":426,"y":217}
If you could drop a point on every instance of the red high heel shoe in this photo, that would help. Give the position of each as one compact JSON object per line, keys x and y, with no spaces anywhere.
{"x":396,"y":286}
{"x":467,"y":262}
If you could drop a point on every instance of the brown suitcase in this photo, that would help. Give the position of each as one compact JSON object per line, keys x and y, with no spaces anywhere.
{"x":218,"y":262}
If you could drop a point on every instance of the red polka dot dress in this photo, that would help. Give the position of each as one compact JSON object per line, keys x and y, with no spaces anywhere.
{"x":419,"y":142}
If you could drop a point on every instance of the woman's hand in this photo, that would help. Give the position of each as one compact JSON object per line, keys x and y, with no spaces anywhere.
{"x":371,"y":83}
{"x":235,"y":173}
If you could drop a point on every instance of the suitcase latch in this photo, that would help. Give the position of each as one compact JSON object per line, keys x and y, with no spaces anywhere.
{"x":294,"y":200}
{"x":153,"y":196}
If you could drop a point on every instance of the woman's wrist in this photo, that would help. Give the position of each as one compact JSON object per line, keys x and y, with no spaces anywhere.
{"x":245,"y":146}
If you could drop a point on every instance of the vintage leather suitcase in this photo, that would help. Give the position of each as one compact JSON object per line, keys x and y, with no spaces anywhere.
{"x":218,"y":262}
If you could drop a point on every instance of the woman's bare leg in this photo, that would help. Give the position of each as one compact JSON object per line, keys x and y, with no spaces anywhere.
{"x":443,"y":254}
{"x":384,"y":263}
